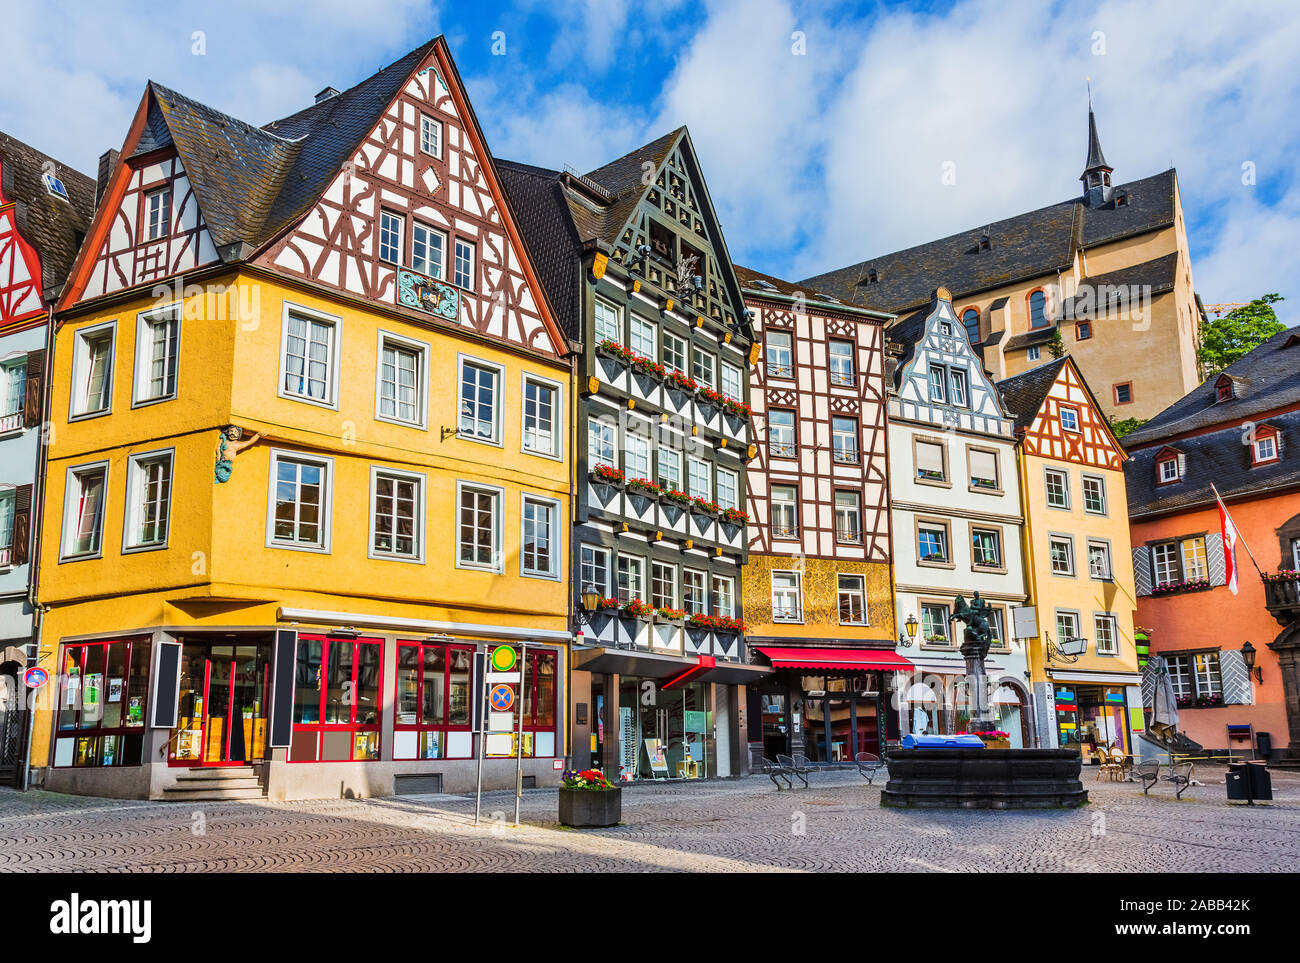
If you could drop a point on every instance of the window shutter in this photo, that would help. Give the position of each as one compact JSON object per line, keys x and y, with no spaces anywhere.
{"x":22,"y":524}
{"x":1182,"y":466}
{"x":983,"y":464}
{"x":1142,"y":569}
{"x":1214,"y":554}
{"x":34,"y":397}
{"x":1235,"y":677}
{"x":929,"y":456}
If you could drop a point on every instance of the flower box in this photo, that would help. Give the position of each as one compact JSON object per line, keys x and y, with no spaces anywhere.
{"x":591,"y":808}
{"x":735,"y":516}
{"x":680,"y":382}
{"x":604,"y":475}
{"x":644,"y":486}
{"x":717,"y":623}
{"x":676,"y":497}
{"x":671,"y":616}
{"x":705,"y":507}
{"x":636,"y":609}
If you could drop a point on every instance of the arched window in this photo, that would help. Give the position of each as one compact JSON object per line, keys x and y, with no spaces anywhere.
{"x":1037,"y":309}
{"x":971,"y":319}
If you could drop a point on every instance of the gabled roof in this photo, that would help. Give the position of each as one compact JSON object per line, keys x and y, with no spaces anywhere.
{"x":52,"y":225}
{"x":1023,"y":394}
{"x":1266,"y":378}
{"x":623,"y":179}
{"x":756,"y":284}
{"x":1159,"y":274}
{"x":1025,"y":246}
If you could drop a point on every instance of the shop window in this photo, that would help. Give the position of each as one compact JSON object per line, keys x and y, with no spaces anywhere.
{"x":433,"y":703}
{"x":102,"y":692}
{"x":336,"y":700}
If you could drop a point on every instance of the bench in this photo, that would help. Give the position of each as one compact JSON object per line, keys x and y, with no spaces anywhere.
{"x":1181,"y":774}
{"x":797,"y":766}
{"x":776,"y":772}
{"x":1148,"y":773}
{"x":868,"y":766}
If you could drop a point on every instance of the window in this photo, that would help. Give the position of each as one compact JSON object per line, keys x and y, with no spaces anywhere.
{"x":636,"y":456}
{"x":1195,"y":562}
{"x":428,"y":250}
{"x":102,"y":690}
{"x":997,"y":624}
{"x":983,"y":469}
{"x":309,"y":357}
{"x":149,"y":495}
{"x":1067,"y":626}
{"x":92,"y":371}
{"x":1070,"y":418}
{"x":931,"y":461}
{"x":390,"y":237}
{"x":731,"y":382}
{"x":1094,"y":494}
{"x":83,"y":511}
{"x":401,"y":380}
{"x":1295,"y":553}
{"x":844,"y":440}
{"x":336,"y":699}
{"x":848,"y":518}
{"x":1058,"y":488}
{"x":935,"y":628}
{"x":600,"y":443}
{"x":1223,"y":391}
{"x":397,"y":515}
{"x":1034,"y":353}
{"x":300,"y":506}
{"x":957,"y":384}
{"x":695,"y":598}
{"x":723,"y":596}
{"x":13,"y":381}
{"x":1164,"y":558}
{"x":55,"y":187}
{"x":727,"y":489}
{"x":780,"y":359}
{"x":786,"y":602}
{"x":540,"y":553}
{"x":156,"y":343}
{"x":932,"y":544}
{"x":430,"y":135}
{"x":631,"y":579}
{"x":780,"y":433}
{"x":670,"y":469}
{"x":1083,"y":331}
{"x":702,"y":367}
{"x":609,"y":323}
{"x":1264,"y":448}
{"x":1167,"y":469}
{"x":8,"y":506}
{"x":841,"y":363}
{"x":643,"y":337}
{"x":1061,"y":551}
{"x":594,"y":570}
{"x":700,"y":479}
{"x":479,"y":409}
{"x":480,"y":528}
{"x":157,"y":213}
{"x":674,"y":353}
{"x":663,"y":585}
{"x":434,"y":700}
{"x":541,"y":417}
{"x":785,"y":511}
{"x":986,"y":548}
{"x":1099,"y":567}
{"x":1106,"y":628}
{"x":463,"y":277}
{"x":852,"y":598}
{"x":970,"y":319}
{"x":1195,"y":677}
{"x":938,"y":384}
{"x":1037,"y":309}
{"x":1124,"y":393}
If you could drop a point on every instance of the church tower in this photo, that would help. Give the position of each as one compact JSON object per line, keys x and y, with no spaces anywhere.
{"x":1096,"y":174}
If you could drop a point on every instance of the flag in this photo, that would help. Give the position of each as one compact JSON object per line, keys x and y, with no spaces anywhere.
{"x":1229,"y":544}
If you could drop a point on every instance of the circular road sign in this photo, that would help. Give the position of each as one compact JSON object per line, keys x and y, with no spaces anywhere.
{"x":502,"y":697}
{"x":35,"y":677}
{"x":504,"y":658}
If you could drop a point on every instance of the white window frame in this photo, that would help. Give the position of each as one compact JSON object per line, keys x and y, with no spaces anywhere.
{"x":637,"y":340}
{"x":680,"y":350}
{"x":135,"y":506}
{"x":656,"y":567}
{"x":1109,"y":574}
{"x":976,"y":559}
{"x":798,"y":597}
{"x":421,"y":350}
{"x":13,"y":382}
{"x":472,"y":249}
{"x":557,"y":424}
{"x":786,"y":506}
{"x":1257,"y":457}
{"x":731,"y":500}
{"x":72,"y":490}
{"x":431,"y":123}
{"x":702,"y":360}
{"x":958,"y":388}
{"x":692,"y":462}
{"x":331,"y":399}
{"x":779,"y":449}
{"x":1068,"y":541}
{"x":418,"y":522}
{"x":1065,"y":486}
{"x":637,"y":446}
{"x":597,"y":322}
{"x":498,"y":403}
{"x":701,"y":580}
{"x":602,"y":432}
{"x":1174,"y":550}
{"x":1101,"y":487}
{"x":661,"y":476}
{"x":593,"y":551}
{"x":1075,"y":416}
{"x":1033,"y":354}
{"x":78,"y":397}
{"x":772,"y":364}
{"x":144,"y":343}
{"x":1108,"y":619}
{"x":1073,"y":616}
{"x":860,"y":592}
{"x":840,"y":378}
{"x":322,"y":545}
{"x":554,"y":534}
{"x":639,"y":593}
{"x":851,"y":512}
{"x":852,"y":455}
{"x":720,"y":580}
{"x":8,"y":520}
{"x":430,"y":232}
{"x":1166,"y":477}
{"x":497,"y":493}
{"x":730,"y":380}
{"x":386,"y":218}
{"x":157,"y":223}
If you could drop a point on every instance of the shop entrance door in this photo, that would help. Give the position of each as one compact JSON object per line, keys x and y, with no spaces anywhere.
{"x":223,"y":705}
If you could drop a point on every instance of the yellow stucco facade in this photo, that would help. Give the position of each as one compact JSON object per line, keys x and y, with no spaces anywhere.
{"x":820,"y":597}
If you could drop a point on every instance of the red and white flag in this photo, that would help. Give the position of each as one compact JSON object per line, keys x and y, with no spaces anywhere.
{"x":1229,"y":544}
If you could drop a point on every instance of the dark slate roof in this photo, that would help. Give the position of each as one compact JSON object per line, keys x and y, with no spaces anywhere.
{"x":542,"y":212}
{"x":1266,"y":378}
{"x":1023,"y":395}
{"x":1039,"y":336}
{"x":757,"y":281}
{"x":1218,"y":458}
{"x":622,"y":179}
{"x":1096,"y":158}
{"x":1159,"y":274}
{"x":53,"y":226}
{"x":1025,"y":246}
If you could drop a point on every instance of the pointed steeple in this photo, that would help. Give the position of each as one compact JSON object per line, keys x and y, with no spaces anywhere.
{"x":1096,"y":172}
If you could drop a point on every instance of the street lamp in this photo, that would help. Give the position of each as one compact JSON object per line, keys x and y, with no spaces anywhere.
{"x":1248,"y":656}
{"x":910,"y":625}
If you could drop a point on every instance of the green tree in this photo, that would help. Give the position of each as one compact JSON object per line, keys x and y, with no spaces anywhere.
{"x":1237,"y":333}
{"x":1127,"y":426}
{"x":1056,"y":345}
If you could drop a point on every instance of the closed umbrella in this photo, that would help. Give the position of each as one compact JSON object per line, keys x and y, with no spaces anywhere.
{"x":1164,"y":703}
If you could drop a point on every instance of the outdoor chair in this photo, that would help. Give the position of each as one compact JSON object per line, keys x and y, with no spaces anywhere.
{"x":868,"y":766}
{"x":776,"y":772}
{"x":794,"y":769}
{"x":1182,"y":775}
{"x":1105,"y":767}
{"x":1123,"y":763}
{"x":1148,"y":773}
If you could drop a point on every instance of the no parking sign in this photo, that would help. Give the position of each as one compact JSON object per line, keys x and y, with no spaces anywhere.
{"x":35,"y":677}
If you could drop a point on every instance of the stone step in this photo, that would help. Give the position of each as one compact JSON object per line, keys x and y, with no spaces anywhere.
{"x":210,"y":793}
{"x":218,"y":773}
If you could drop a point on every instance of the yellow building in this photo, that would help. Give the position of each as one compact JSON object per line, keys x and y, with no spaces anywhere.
{"x":309,"y":460}
{"x":1078,"y":562}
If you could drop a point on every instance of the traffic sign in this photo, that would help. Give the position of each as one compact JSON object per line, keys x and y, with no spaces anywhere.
{"x":502,"y":697}
{"x":504,"y":658}
{"x":35,"y":677}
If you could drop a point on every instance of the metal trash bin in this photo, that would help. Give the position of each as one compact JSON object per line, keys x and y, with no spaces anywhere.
{"x":1237,"y":782}
{"x":1261,"y":784}
{"x":1263,"y":745}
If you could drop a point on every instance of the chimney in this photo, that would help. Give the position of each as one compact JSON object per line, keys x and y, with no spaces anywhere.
{"x":107,"y":162}
{"x":326,"y":94}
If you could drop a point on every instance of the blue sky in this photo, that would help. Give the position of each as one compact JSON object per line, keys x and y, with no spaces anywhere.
{"x":825,"y":129}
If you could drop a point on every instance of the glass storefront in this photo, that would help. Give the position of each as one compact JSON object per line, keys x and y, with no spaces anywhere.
{"x":853,"y":725}
{"x":102,"y":692}
{"x":1089,"y":716}
{"x":665,"y":734}
{"x":223,"y":704}
{"x":336,"y":699}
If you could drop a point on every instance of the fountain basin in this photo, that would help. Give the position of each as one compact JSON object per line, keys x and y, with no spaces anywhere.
{"x":979,"y":779}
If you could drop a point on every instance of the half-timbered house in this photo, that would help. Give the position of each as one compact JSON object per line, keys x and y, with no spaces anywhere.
{"x":958,"y":523}
{"x":1078,"y":564}
{"x":637,"y":266}
{"x":311,"y":457}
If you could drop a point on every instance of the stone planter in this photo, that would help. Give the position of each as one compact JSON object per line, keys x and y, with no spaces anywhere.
{"x":591,"y":807}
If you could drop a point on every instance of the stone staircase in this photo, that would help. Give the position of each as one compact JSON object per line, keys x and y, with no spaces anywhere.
{"x":201,"y":784}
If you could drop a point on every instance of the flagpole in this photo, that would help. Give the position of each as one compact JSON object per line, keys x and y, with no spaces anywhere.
{"x":1244,"y":543}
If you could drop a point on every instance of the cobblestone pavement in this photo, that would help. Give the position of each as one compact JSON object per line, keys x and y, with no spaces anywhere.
{"x":733,"y":826}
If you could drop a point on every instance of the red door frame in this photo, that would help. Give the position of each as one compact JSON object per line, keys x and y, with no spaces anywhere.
{"x":203,"y":729}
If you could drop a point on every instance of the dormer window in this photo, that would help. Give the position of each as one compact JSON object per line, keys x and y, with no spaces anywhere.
{"x":55,"y":187}
{"x":872,"y":276}
{"x":1264,"y":449}
{"x":1167,"y":469}
{"x":1224,"y":390}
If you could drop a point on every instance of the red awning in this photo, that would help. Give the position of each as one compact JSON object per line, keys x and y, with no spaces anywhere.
{"x":842,"y":659}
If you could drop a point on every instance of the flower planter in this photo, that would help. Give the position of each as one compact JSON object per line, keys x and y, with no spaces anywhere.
{"x":997,"y":743}
{"x":591,"y":807}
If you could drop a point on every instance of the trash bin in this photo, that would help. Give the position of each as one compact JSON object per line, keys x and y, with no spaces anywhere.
{"x":1238,"y":783}
{"x":1263,"y":745}
{"x":1261,"y":784}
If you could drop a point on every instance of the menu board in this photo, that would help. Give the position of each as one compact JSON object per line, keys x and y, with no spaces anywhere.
{"x":654,"y":751}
